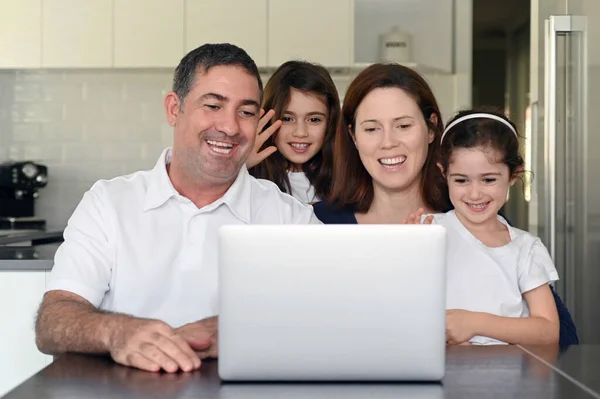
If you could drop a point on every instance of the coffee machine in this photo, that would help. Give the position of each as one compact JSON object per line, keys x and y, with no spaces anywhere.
{"x":19,"y":185}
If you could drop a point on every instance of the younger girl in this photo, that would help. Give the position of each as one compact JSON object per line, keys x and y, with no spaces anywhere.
{"x":498,"y":275}
{"x":306,"y":106}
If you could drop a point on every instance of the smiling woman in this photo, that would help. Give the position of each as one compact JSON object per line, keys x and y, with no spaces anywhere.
{"x":385,"y":146}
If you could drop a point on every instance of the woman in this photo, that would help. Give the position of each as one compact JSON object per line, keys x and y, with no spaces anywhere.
{"x":386,"y":150}
{"x":305,"y":102}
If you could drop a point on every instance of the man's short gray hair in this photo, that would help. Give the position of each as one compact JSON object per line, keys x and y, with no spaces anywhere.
{"x":207,"y":56}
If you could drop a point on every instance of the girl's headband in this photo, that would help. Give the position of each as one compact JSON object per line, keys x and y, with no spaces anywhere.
{"x":477,"y":116}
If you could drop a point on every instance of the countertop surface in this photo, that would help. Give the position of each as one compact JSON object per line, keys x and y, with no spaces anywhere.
{"x":495,"y":371}
{"x":27,"y":258}
{"x":28,"y":251}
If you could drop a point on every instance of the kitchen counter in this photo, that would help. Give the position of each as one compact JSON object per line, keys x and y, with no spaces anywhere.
{"x":29,"y":251}
{"x":27,"y":258}
{"x":501,"y":371}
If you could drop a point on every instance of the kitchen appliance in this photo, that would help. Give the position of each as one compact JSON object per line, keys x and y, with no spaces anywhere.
{"x":19,"y":185}
{"x":564,"y":209}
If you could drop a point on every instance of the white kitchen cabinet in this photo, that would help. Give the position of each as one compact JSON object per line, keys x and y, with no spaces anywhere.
{"x":21,"y":293}
{"x":77,"y":33}
{"x":313,"y":30}
{"x":240,"y":22}
{"x":20,"y":33}
{"x":148,"y":33}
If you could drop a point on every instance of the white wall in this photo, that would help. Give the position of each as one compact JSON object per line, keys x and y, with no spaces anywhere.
{"x":428,"y":21}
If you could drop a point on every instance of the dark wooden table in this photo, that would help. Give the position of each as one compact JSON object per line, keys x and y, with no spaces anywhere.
{"x":478,"y":372}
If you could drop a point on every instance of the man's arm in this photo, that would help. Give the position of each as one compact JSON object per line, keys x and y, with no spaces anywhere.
{"x":67,"y":322}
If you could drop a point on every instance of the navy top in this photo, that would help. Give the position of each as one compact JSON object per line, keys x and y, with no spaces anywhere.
{"x":329,"y":214}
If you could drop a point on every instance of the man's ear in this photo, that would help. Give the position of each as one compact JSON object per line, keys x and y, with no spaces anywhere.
{"x":172,"y":107}
{"x":434,"y":121}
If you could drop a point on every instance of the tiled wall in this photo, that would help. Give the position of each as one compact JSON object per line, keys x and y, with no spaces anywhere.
{"x":91,"y":124}
{"x":84,"y":125}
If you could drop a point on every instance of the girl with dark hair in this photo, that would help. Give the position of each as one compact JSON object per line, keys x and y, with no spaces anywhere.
{"x":498,"y":276}
{"x":298,"y":156}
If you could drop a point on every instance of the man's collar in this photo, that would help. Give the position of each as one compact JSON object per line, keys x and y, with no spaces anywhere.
{"x":160,"y":188}
{"x":237,"y":197}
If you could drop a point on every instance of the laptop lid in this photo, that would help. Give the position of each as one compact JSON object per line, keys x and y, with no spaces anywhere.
{"x":332,"y":302}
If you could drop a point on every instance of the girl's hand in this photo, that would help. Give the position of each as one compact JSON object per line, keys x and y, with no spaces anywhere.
{"x":257,"y":156}
{"x":460,"y":326}
{"x":415,"y":218}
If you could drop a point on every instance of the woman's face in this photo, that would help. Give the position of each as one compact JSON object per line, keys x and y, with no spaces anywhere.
{"x":302,"y":132}
{"x":392,"y":138}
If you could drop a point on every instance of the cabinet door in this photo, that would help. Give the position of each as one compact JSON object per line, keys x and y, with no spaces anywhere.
{"x":20,"y":295}
{"x":77,"y":33}
{"x":239,"y":22}
{"x":148,"y":33}
{"x":313,"y":30}
{"x":20,"y":33}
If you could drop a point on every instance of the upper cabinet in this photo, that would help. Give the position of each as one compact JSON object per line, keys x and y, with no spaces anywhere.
{"x":158,"y":33}
{"x":77,"y":33}
{"x":313,"y":30}
{"x":240,"y":22}
{"x":148,"y":33}
{"x":20,"y":33}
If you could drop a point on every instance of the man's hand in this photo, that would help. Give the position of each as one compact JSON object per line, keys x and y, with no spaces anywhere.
{"x":460,"y":326}
{"x":202,"y":336}
{"x":257,"y":156}
{"x":151,"y":345}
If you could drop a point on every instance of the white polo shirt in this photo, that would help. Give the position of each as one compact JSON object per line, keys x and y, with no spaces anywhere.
{"x":134,"y":245}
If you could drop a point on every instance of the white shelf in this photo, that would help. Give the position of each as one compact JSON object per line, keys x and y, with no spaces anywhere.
{"x":354,"y":69}
{"x":421,"y":68}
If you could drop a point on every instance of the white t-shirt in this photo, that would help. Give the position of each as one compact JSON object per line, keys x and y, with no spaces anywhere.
{"x":302,"y":190}
{"x":134,"y":245}
{"x":493,"y":280}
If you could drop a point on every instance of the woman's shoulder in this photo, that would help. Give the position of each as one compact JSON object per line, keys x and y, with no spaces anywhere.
{"x":332,"y":213}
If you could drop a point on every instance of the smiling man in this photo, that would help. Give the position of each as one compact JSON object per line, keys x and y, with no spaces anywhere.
{"x":136,"y":277}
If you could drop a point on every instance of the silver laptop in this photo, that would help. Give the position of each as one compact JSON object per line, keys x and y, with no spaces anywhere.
{"x":332,"y":303}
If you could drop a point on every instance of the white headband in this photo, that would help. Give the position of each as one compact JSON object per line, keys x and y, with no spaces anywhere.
{"x":475,"y":116}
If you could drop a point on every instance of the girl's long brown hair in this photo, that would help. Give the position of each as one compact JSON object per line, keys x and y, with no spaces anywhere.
{"x":312,"y":79}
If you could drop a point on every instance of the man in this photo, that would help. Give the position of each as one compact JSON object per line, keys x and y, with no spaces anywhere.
{"x":138,"y":267}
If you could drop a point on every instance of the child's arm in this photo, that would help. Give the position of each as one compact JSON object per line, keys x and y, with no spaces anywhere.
{"x":541,"y":327}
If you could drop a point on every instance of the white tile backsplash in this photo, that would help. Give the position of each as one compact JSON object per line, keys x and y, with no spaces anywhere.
{"x":84,"y":125}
